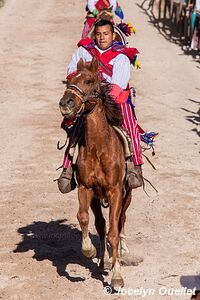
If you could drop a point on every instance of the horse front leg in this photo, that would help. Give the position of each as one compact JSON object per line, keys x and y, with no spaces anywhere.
{"x":115,"y":201}
{"x":85,"y":197}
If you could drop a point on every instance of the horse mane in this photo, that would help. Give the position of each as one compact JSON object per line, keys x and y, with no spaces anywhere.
{"x":112,"y":109}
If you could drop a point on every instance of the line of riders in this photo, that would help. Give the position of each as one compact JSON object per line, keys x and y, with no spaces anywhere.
{"x":102,"y":39}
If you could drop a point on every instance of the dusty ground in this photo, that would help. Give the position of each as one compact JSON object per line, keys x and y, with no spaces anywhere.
{"x":40,"y":237}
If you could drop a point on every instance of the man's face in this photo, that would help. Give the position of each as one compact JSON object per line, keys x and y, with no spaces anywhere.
{"x":104,"y":36}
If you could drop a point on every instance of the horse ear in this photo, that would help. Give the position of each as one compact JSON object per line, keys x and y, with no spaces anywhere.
{"x":80,"y":64}
{"x":94,"y":65}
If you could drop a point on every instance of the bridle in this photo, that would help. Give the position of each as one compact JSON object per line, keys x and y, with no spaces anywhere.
{"x":77,"y":91}
{"x":84,"y":97}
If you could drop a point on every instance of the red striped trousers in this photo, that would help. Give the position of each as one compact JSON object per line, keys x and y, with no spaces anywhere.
{"x":130,"y":124}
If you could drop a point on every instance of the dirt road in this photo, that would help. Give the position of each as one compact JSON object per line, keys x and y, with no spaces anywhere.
{"x":40,"y":238}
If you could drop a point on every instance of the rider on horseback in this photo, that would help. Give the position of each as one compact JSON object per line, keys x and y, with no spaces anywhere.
{"x":100,"y":9}
{"x":114,"y":67}
{"x":94,"y":6}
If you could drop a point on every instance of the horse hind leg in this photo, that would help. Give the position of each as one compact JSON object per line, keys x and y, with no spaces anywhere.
{"x":100,"y":225}
{"x":85,"y":197}
{"x":126,"y":259}
{"x":123,"y":248}
{"x":105,"y":262}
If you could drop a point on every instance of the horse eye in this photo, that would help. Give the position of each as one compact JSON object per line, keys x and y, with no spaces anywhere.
{"x":88,"y":81}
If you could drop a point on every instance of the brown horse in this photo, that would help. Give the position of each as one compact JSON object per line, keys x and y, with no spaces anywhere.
{"x":100,"y":168}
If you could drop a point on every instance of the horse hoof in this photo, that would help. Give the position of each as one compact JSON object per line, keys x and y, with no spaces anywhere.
{"x":117,"y":282}
{"x":89,"y":253}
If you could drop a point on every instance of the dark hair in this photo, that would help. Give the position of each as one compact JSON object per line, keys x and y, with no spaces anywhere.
{"x":103,"y":23}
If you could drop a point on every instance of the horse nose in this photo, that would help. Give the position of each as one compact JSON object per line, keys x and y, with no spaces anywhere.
{"x":67,"y":102}
{"x":70,"y":101}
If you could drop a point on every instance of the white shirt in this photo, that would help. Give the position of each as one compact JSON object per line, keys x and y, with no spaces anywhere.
{"x":91,"y":4}
{"x":121,"y":66}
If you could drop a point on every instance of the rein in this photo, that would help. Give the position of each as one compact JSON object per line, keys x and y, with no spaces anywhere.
{"x":73,"y":88}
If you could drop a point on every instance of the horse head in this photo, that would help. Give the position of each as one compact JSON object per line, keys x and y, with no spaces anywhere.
{"x":81,"y":89}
